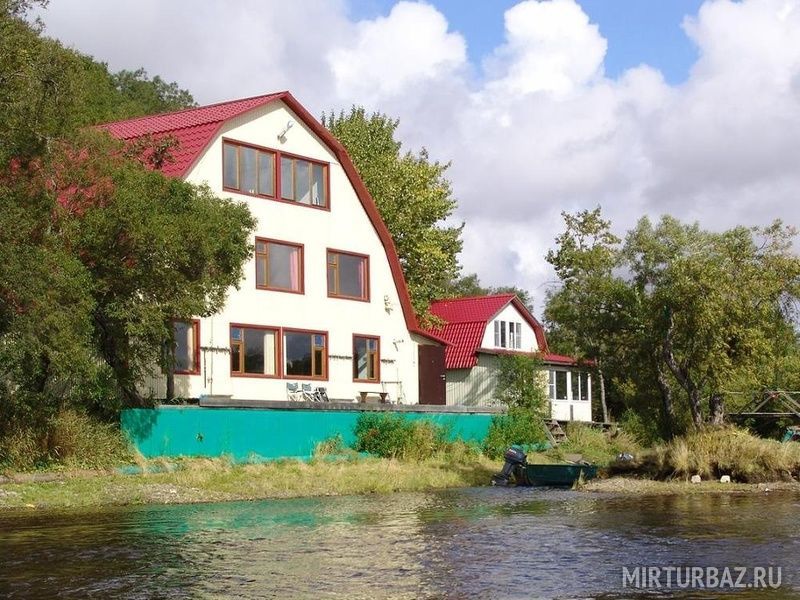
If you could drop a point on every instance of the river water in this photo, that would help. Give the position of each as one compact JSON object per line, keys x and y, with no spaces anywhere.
{"x":476,"y":543}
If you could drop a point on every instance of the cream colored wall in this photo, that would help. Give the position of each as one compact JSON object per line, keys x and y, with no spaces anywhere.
{"x":572,"y":410}
{"x":475,"y":386}
{"x":510,"y":313}
{"x":345,"y":227}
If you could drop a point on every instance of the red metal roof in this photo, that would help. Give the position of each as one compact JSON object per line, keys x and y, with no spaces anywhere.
{"x":465,"y":323}
{"x":196,"y":128}
{"x":193,"y":128}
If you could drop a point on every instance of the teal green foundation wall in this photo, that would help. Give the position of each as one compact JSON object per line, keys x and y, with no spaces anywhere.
{"x":253,"y":434}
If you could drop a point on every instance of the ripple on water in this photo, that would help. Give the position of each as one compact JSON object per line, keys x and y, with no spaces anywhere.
{"x":475,"y":543}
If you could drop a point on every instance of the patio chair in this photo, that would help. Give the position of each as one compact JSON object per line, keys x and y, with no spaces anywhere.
{"x":322,"y":394}
{"x":308,"y":393}
{"x":293,"y":392}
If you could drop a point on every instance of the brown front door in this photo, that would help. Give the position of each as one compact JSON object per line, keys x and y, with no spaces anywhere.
{"x":431,"y":375}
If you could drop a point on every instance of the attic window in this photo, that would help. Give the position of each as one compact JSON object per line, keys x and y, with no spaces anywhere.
{"x":268,"y":173}
{"x":248,"y":170}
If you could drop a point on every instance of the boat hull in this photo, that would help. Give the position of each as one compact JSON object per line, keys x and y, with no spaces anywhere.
{"x":557,"y":475}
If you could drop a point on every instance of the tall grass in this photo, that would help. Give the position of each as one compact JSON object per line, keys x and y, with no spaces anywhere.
{"x":72,"y":440}
{"x":726,"y":451}
{"x":596,"y":445}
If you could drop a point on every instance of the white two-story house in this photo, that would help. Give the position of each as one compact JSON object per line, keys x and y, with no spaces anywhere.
{"x":480,"y":328}
{"x":323,"y":300}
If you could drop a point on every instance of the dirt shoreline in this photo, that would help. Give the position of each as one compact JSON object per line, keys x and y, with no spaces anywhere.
{"x":650,"y":487}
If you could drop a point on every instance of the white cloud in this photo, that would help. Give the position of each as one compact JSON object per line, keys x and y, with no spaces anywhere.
{"x":536,"y":129}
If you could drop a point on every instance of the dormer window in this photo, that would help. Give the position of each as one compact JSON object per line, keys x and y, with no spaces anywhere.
{"x":268,"y":173}
{"x":508,"y":334}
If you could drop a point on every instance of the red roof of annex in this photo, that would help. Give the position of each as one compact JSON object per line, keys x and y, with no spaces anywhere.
{"x":465,"y":323}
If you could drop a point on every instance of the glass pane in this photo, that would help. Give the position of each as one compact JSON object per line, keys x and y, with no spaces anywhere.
{"x":236,"y":355}
{"x":584,"y":386}
{"x":247,"y":170}
{"x":519,"y":336}
{"x":261,"y":270}
{"x":184,"y":346}
{"x":352,"y":276}
{"x":286,"y":179}
{"x":318,"y":362}
{"x":576,"y":386}
{"x":298,"y":353}
{"x":502,"y":334}
{"x":254,"y":351}
{"x":360,"y":359}
{"x":230,"y":171}
{"x":236,"y":333}
{"x":561,"y":385}
{"x":496,"y":333}
{"x":266,"y":173}
{"x":318,"y":186}
{"x":331,"y":279}
{"x":302,"y":182}
{"x":270,"y":349}
{"x":284,"y":267}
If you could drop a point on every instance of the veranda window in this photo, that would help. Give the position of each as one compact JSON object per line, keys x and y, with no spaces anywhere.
{"x":254,"y":351}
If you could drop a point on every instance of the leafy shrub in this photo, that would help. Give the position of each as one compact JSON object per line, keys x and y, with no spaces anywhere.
{"x":520,"y":425}
{"x":393,"y":436}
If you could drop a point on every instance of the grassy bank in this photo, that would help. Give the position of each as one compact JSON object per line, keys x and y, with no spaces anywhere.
{"x":217,"y":481}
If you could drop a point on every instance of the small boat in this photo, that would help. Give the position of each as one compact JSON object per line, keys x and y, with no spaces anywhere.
{"x":558,"y":474}
{"x":517,"y":469}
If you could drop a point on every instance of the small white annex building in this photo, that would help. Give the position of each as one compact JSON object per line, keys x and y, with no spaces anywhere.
{"x":324,"y":301}
{"x":480,"y":328}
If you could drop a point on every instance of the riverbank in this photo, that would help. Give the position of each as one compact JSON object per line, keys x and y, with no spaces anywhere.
{"x":650,"y":487}
{"x":201,"y":480}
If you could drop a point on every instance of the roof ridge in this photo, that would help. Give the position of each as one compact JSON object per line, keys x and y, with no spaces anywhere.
{"x":476,"y":297}
{"x":191,"y":108}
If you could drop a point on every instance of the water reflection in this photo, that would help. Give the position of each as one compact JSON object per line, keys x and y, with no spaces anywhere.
{"x":479,"y":543}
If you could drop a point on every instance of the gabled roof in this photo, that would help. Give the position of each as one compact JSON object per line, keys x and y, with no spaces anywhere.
{"x":465,"y":323}
{"x":195,"y":128}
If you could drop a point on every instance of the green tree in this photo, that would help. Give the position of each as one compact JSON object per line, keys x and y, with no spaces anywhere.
{"x":413,"y":197}
{"x":583,"y":313}
{"x":522,"y":388}
{"x":717,"y":302}
{"x":97,"y":252}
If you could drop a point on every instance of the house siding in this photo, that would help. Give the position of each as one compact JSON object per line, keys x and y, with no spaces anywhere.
{"x":476,"y":387}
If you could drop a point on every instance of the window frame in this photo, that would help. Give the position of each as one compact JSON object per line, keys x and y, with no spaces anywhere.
{"x":278,"y":154}
{"x":377,"y":353}
{"x":278,"y":351}
{"x":301,"y":274}
{"x":366,"y":284}
{"x":325,"y":354}
{"x":195,"y":323}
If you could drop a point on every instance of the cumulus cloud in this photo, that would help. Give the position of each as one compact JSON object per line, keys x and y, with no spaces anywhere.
{"x":535,"y":129}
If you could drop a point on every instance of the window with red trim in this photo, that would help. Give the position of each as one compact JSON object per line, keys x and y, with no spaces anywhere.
{"x":366,"y":358}
{"x":305,"y":354}
{"x":269,"y":173}
{"x":279,"y":266}
{"x":348,"y":275}
{"x":254,"y":351}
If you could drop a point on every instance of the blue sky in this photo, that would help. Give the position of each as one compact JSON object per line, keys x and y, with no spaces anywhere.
{"x":638,"y":31}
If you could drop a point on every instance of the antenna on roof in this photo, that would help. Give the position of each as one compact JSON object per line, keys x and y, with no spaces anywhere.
{"x":285,"y":130}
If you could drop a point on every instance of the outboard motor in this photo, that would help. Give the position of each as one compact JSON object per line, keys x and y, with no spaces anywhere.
{"x":516,"y":460}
